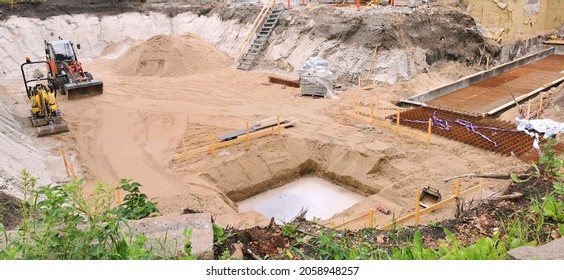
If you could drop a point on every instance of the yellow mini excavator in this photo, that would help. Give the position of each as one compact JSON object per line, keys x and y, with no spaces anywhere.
{"x":45,"y":115}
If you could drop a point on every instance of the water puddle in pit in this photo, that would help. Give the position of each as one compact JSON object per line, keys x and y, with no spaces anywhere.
{"x":322,"y":199}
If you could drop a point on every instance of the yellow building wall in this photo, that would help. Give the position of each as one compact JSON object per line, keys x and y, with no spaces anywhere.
{"x":509,"y":20}
{"x":555,"y":14}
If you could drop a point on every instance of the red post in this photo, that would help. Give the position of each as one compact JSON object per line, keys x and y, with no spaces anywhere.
{"x":303,"y":2}
{"x":391,"y":2}
{"x":358,"y":5}
{"x":288,"y":4}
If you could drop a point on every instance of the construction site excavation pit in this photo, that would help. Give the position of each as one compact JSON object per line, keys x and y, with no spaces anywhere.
{"x":171,"y":81}
{"x":320,"y":198}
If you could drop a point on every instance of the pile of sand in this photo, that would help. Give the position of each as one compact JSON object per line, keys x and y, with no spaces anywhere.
{"x":169,"y":56}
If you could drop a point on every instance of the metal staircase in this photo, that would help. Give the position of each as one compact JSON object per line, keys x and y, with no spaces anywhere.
{"x":246,"y":61}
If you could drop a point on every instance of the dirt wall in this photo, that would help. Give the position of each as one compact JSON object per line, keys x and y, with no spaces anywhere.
{"x":396,"y":43}
{"x":509,"y":21}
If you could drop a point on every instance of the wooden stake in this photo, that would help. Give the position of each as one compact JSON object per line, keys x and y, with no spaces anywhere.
{"x":487,"y":63}
{"x":429,"y":131}
{"x":371,"y":114}
{"x":371,"y":218}
{"x":65,"y":161}
{"x":457,"y":200}
{"x":481,"y":56}
{"x":417,"y":197}
{"x":457,"y":190}
{"x":118,"y":195}
{"x":528,"y":109}
{"x":398,"y":121}
{"x":72,"y":170}
{"x":248,"y":136}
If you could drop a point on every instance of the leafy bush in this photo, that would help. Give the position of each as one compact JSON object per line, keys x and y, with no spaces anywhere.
{"x":60,"y":223}
{"x":136,"y":205}
{"x":553,"y":208}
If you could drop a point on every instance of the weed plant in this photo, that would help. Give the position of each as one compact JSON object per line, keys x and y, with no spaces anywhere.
{"x":60,"y":223}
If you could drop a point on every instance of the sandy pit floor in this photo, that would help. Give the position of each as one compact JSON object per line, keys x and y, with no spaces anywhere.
{"x":165,"y":95}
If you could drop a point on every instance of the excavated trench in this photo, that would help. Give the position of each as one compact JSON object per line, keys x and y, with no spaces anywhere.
{"x":282,"y":190}
{"x":305,"y":169}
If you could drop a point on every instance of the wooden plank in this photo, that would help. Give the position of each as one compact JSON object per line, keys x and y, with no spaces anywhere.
{"x":351,"y":221}
{"x":264,"y":132}
{"x":390,"y":126}
{"x":430,"y":208}
{"x":554,"y":42}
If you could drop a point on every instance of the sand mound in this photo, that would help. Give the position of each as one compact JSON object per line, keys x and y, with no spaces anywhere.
{"x":168,"y":56}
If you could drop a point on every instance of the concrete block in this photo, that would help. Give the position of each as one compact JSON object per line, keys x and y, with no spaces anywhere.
{"x":166,"y":238}
{"x":550,"y":251}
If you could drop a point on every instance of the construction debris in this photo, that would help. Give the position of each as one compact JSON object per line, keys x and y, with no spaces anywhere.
{"x":383,"y":210}
{"x":533,"y":128}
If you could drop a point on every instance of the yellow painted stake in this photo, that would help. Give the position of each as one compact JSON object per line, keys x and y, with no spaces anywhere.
{"x":417,"y":197}
{"x":371,"y":218}
{"x":118,"y":195}
{"x":398,"y":121}
{"x":65,"y":161}
{"x":278,"y":121}
{"x":212,"y":148}
{"x":72,"y":170}
{"x":371,"y":114}
{"x":457,"y":190}
{"x":429,"y":131}
{"x":528,"y":109}
{"x":248,"y":136}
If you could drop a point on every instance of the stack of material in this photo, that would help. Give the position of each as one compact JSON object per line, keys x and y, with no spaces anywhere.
{"x":316,"y":79}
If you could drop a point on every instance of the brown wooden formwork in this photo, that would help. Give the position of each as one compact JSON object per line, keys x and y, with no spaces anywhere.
{"x":509,"y":143}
